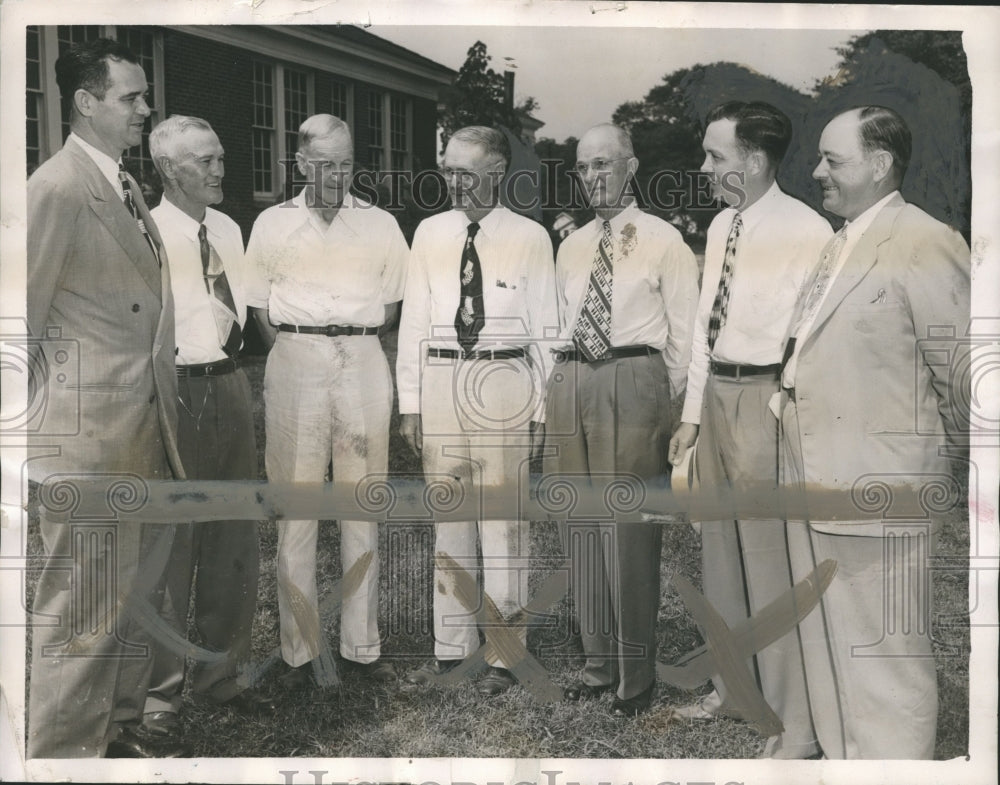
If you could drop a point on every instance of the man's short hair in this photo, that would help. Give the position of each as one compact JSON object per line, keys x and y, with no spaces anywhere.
{"x":882,"y":128}
{"x":492,"y":140}
{"x":759,"y":126}
{"x":85,"y":66}
{"x":163,"y":137}
{"x":321,"y":126}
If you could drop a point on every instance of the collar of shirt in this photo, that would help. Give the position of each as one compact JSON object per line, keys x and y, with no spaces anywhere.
{"x":618,"y":222}
{"x":854,"y":229}
{"x":489,"y":224}
{"x":756,"y":212}
{"x":347,"y":214}
{"x":107,"y":164}
{"x":181,"y":221}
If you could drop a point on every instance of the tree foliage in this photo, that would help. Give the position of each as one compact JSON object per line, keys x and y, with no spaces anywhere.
{"x":477,"y":98}
{"x":939,"y":50}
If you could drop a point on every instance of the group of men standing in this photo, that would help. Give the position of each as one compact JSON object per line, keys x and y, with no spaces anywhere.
{"x":797,"y":358}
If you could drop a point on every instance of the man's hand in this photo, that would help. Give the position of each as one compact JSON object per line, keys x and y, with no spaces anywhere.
{"x":682,"y":439}
{"x":409,"y":429}
{"x":537,"y":439}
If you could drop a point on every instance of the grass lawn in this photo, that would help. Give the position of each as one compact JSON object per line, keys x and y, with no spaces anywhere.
{"x":360,"y":719}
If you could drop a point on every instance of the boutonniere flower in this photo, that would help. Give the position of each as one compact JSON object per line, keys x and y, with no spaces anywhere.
{"x":628,"y":238}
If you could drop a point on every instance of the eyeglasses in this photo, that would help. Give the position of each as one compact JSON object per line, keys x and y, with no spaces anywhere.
{"x":597,"y":165}
{"x":465,"y":175}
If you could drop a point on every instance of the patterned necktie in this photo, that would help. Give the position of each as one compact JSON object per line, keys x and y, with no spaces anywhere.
{"x":223,"y":305}
{"x":592,"y":333}
{"x":471,"y":313}
{"x":720,"y":308}
{"x":824,"y":274}
{"x":131,"y":206}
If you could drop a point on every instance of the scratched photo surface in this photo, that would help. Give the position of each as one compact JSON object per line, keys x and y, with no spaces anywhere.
{"x":597,"y":568}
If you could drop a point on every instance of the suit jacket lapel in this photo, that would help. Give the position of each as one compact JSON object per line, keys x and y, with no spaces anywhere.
{"x":857,"y":265}
{"x":109,"y":208}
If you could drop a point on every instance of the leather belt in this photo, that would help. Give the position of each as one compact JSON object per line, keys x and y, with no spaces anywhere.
{"x":614,"y":353}
{"x":216,"y":368}
{"x":479,"y":354}
{"x":329,"y":330}
{"x":733,"y":371}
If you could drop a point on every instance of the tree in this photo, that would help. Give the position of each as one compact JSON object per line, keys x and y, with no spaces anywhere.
{"x":477,"y":98}
{"x":939,"y":50}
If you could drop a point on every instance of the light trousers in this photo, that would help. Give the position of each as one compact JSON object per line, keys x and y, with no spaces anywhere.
{"x":475,"y":417}
{"x":327,"y":401}
{"x":867,"y":648}
{"x":745,"y":563}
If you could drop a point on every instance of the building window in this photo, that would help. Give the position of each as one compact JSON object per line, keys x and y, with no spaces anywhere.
{"x":390,"y":128}
{"x":263,"y":129}
{"x":341,"y":102}
{"x":47,"y":118}
{"x":296,"y":108}
{"x":277,"y":117}
{"x":376,"y":130}
{"x":399,"y":133}
{"x":34,"y":111}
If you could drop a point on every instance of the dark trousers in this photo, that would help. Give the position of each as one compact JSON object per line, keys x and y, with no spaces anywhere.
{"x":216,"y":442}
{"x":610,"y":422}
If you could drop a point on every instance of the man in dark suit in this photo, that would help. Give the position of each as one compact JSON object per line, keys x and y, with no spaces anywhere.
{"x":868,"y":411}
{"x":96,"y":278}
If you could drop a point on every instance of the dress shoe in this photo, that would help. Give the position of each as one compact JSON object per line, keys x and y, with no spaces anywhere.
{"x":377,"y":670}
{"x":250,"y":701}
{"x":139,"y":743}
{"x":705,"y":708}
{"x":637,"y":704}
{"x":582,"y":691}
{"x":162,"y":723}
{"x":429,"y":671}
{"x":298,"y":677}
{"x":495,"y":681}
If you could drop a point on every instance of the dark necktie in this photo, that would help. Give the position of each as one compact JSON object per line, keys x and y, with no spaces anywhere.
{"x":223,"y":305}
{"x":131,"y":206}
{"x":471,"y":314}
{"x":720,"y":307}
{"x":592,"y":333}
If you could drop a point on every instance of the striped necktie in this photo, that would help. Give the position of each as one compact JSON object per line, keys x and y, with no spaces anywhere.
{"x":223,"y":305}
{"x":720,"y":307}
{"x":134,"y":210}
{"x":592,"y":333}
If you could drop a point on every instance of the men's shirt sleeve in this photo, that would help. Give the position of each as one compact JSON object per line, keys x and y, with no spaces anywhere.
{"x":394,"y":276}
{"x":711,"y":271}
{"x":544,"y":315}
{"x":414,"y":326}
{"x":258,"y":284}
{"x":679,"y":289}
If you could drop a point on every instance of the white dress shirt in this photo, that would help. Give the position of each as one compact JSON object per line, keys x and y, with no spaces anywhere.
{"x":780,"y":244}
{"x":515,"y":254}
{"x":853,"y":231}
{"x":107,"y":164}
{"x":310,"y":274}
{"x":196,"y":333}
{"x":654,"y":289}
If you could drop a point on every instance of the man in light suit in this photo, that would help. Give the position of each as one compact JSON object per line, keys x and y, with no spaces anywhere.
{"x":97,"y":281}
{"x":865,"y":393}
